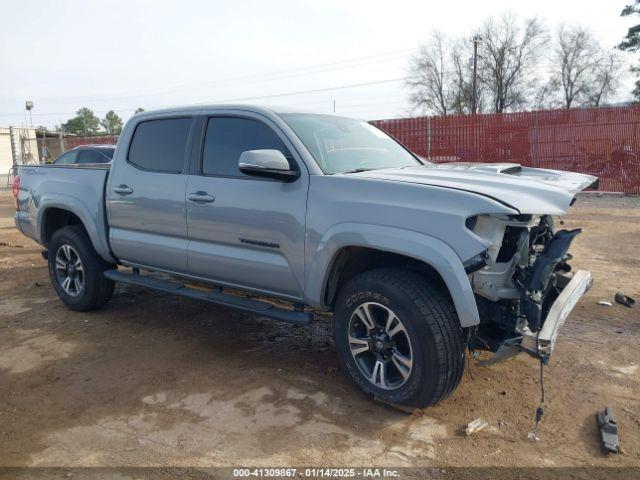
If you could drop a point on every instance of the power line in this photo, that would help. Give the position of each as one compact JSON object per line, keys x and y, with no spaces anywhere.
{"x":312,"y":69}
{"x":244,"y":82}
{"x":318,"y":90}
{"x":277,"y":95}
{"x":345,"y":100}
{"x":260,"y":97}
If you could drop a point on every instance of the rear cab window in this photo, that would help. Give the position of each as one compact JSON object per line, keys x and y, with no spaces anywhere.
{"x":160,"y":145}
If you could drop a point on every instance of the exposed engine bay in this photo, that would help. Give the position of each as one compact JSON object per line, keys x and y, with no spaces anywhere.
{"x":518,"y":283}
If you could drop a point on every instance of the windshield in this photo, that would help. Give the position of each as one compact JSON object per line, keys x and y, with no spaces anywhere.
{"x":342,"y":145}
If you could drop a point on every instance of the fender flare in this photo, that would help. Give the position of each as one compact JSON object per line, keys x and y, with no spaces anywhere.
{"x":96,"y":232}
{"x":436,"y":253}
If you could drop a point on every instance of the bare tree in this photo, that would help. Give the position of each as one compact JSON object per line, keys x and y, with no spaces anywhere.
{"x":545,"y":96}
{"x":463,"y":73}
{"x":509,"y":54}
{"x":575,"y":58}
{"x":583,"y":72}
{"x":430,"y":76}
{"x":606,"y":78}
{"x":508,"y":70}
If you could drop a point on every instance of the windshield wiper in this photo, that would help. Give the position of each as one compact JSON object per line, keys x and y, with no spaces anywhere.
{"x":358,"y":170}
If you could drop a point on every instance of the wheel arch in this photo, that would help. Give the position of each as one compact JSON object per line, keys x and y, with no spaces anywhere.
{"x":55,"y":218}
{"x":58,"y":211}
{"x":352,"y":260}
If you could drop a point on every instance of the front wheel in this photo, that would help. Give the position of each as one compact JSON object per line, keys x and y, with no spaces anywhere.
{"x":77,"y":271}
{"x":398,"y":337}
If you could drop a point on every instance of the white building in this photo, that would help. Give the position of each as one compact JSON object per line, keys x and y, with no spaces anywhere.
{"x":22,"y":137}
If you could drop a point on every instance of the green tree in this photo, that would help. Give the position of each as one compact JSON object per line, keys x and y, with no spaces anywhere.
{"x":84,"y":123}
{"x":139,"y":109}
{"x":631,"y":42}
{"x":112,"y":123}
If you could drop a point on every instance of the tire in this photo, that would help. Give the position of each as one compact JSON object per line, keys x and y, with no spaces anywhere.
{"x":88,"y":288}
{"x":423,"y":360}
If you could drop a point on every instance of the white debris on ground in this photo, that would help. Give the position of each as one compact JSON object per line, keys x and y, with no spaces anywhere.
{"x":475,"y":426}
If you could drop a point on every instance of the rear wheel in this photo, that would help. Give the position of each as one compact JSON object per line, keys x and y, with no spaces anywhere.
{"x":398,"y":337}
{"x":77,"y":271}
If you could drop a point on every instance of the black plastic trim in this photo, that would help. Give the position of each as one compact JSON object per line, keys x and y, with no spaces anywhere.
{"x":214,"y":296}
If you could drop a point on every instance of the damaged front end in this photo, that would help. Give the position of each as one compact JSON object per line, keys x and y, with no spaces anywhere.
{"x":524,"y":285}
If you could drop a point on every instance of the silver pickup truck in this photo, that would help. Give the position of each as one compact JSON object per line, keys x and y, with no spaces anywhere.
{"x":418,"y":262}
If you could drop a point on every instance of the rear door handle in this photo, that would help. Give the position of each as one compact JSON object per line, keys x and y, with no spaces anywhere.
{"x":201,"y":197}
{"x":123,"y":190}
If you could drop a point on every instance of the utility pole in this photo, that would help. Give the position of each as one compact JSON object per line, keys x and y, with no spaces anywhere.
{"x":474,"y":99}
{"x":43,"y":149}
{"x":334,"y":106}
{"x":60,"y":133}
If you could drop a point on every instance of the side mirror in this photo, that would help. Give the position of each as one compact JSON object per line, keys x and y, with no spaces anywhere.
{"x":267,"y":163}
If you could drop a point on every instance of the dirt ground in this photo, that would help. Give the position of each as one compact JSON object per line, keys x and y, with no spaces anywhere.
{"x":155,"y":380}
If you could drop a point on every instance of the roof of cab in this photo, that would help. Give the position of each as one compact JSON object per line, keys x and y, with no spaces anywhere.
{"x":208,"y":107}
{"x":275,"y":110}
{"x":96,"y":145}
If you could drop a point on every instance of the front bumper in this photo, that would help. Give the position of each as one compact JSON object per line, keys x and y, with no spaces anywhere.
{"x":541,"y":344}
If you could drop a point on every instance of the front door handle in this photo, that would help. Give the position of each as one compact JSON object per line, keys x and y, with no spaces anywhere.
{"x":123,"y":190}
{"x":201,"y":197}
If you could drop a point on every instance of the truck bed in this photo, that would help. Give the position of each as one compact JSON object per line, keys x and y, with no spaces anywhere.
{"x":77,"y":188}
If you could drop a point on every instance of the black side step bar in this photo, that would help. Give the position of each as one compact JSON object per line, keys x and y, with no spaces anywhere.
{"x":247,"y":304}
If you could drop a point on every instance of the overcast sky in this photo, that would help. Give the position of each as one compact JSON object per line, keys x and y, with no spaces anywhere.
{"x":124,"y":54}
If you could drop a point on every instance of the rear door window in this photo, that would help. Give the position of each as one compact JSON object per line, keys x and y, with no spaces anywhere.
{"x":160,"y":145}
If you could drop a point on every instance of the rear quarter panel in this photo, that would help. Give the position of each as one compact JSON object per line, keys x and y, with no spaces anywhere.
{"x":78,"y":189}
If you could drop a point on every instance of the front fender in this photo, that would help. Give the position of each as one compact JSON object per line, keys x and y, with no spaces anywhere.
{"x":422,"y":247}
{"x":93,"y":222}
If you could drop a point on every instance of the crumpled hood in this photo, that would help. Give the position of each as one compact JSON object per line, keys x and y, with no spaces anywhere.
{"x":528,"y":190}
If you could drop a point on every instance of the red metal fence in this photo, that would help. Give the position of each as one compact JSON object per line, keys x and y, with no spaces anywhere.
{"x":600,"y":141}
{"x":72,"y":142}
